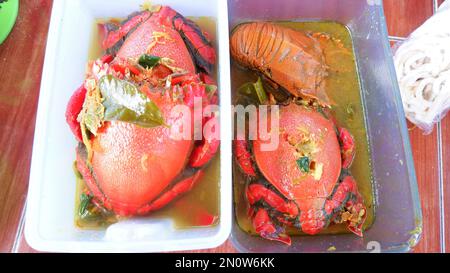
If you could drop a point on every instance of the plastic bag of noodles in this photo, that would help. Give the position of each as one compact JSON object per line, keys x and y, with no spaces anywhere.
{"x":423,"y":70}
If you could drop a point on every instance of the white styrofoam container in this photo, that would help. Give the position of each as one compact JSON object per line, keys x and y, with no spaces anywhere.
{"x":50,"y":206}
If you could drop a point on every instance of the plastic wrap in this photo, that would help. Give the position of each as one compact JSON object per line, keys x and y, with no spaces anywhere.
{"x":423,"y":71}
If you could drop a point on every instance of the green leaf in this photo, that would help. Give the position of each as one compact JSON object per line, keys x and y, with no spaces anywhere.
{"x":94,"y":111}
{"x":260,"y":92}
{"x":254,"y":91}
{"x":124,"y":102}
{"x":85,"y":200}
{"x":148,"y":61}
{"x":210,"y":89}
{"x":303,"y":164}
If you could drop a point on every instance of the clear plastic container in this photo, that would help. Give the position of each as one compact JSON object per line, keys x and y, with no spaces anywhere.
{"x":51,"y":195}
{"x":398,"y":218}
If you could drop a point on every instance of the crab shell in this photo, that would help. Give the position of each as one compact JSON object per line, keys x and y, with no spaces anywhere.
{"x":308,"y":191}
{"x":135,"y":170}
{"x":297,"y":123}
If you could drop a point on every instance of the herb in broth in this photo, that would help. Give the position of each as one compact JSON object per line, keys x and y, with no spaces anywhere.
{"x":343,"y":88}
{"x":148,"y":61}
{"x":198,"y":207}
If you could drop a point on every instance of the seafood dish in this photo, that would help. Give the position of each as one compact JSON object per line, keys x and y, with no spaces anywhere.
{"x":134,"y":115}
{"x":305,"y":182}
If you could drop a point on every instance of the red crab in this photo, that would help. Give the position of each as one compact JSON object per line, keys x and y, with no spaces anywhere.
{"x":305,"y":181}
{"x":136,"y":170}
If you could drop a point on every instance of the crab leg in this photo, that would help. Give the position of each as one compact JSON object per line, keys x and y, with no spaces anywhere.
{"x":177,"y":190}
{"x":114,"y":36}
{"x":355,"y":211}
{"x":100,"y":198}
{"x":358,"y":216}
{"x":257,"y":192}
{"x":204,"y":152}
{"x":243,"y":157}
{"x":207,"y":148}
{"x":347,"y":147}
{"x":198,"y":44}
{"x":264,"y":226}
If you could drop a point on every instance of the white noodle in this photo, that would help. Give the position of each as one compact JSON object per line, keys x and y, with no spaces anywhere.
{"x":423,"y":71}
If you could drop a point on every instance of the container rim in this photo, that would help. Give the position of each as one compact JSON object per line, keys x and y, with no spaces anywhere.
{"x":35,"y":189}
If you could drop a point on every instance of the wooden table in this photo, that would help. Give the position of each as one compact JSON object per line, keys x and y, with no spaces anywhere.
{"x":21,"y":59}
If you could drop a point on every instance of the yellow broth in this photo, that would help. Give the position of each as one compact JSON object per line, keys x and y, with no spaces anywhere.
{"x":343,"y":87}
{"x":188,"y":210}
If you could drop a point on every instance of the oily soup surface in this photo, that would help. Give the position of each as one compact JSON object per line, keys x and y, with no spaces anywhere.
{"x":343,"y":88}
{"x":192,"y":208}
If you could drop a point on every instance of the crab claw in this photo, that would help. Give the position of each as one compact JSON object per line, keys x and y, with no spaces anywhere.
{"x":204,"y":152}
{"x":264,"y":226}
{"x":357,"y":209}
{"x":347,"y":147}
{"x":196,"y":41}
{"x":347,"y":204}
{"x":257,"y":192}
{"x":359,"y":212}
{"x":243,"y":157}
{"x":73,"y":110}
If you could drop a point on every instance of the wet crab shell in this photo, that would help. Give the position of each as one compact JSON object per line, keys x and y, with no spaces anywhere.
{"x":132,"y":165}
{"x":156,"y":36}
{"x":134,"y":170}
{"x":296,"y":123}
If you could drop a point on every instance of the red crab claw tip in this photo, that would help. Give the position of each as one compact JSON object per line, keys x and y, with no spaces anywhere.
{"x":207,"y":149}
{"x":73,"y":110}
{"x":356,"y":230}
{"x":266,"y":228}
{"x":203,"y":153}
